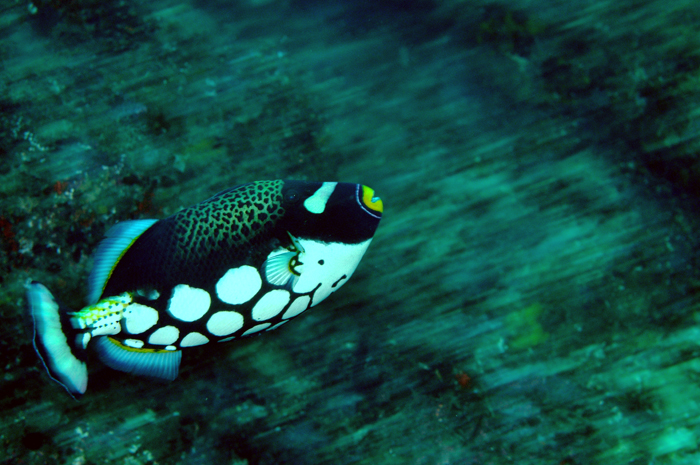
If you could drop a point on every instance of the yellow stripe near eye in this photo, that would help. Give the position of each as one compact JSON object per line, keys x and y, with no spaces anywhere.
{"x":372,"y":201}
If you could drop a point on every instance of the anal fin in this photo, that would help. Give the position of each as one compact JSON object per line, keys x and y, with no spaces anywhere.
{"x":163,"y":364}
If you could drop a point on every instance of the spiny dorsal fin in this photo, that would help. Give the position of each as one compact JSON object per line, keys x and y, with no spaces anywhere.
{"x":117,"y":241}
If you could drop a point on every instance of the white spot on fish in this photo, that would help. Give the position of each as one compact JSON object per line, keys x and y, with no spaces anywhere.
{"x":239,"y":285}
{"x":194,"y":339}
{"x":135,"y":343}
{"x":256,"y":328}
{"x":188,"y":303}
{"x":82,"y":339}
{"x":298,"y":306}
{"x":277,"y":325}
{"x":270,"y":305}
{"x":150,"y":294}
{"x":139,"y":318}
{"x":224,"y":323}
{"x":164,"y":336}
{"x":317,"y":202}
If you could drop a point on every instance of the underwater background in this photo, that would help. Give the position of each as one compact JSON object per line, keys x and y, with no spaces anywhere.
{"x":532,"y":295}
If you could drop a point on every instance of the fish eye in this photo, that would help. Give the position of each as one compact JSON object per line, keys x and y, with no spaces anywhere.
{"x":292,"y":196}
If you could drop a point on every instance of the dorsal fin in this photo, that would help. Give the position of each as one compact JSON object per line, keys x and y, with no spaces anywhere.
{"x":117,"y":241}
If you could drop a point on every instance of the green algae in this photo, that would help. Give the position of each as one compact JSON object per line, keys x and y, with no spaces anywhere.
{"x":526,"y":328}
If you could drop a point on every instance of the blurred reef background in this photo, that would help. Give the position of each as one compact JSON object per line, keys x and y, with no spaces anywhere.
{"x":532,"y":294}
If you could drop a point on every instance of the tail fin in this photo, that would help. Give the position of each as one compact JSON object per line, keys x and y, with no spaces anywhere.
{"x":53,"y":340}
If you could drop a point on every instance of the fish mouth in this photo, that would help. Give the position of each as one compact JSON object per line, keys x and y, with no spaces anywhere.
{"x":369,"y":201}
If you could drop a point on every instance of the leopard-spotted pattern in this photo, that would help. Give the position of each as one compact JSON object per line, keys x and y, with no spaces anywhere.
{"x":229,"y":219}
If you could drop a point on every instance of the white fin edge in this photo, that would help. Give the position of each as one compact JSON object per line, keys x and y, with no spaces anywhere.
{"x":51,"y":343}
{"x":117,"y":241}
{"x":143,"y":362}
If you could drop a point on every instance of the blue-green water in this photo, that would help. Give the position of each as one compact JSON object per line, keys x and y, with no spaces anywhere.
{"x":531,"y":295}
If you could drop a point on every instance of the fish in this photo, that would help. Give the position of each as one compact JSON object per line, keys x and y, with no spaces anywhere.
{"x":243,"y":262}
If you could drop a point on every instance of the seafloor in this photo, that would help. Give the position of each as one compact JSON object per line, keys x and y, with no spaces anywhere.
{"x":531,"y":296}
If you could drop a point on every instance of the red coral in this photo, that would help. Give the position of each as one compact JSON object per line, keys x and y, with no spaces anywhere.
{"x":9,"y":242}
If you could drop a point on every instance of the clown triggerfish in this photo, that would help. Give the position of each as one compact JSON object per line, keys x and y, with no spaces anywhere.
{"x":247,"y":260}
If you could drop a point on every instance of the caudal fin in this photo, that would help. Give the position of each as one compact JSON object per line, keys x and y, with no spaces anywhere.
{"x":53,"y":342}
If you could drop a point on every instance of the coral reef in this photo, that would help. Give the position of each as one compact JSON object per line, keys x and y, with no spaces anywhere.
{"x":531,"y":295}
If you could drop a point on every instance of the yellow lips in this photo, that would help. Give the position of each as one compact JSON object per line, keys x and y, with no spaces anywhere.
{"x":372,"y":201}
